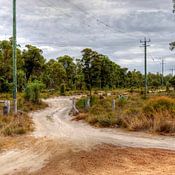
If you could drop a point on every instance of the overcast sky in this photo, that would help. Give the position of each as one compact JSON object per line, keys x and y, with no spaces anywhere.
{"x":111,"y":27}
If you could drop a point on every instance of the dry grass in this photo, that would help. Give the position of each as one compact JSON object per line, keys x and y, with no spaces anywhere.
{"x":19,"y":124}
{"x":15,"y":125}
{"x":156,"y":114}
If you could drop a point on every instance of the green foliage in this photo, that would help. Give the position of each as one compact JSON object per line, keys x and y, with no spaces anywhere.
{"x":33,"y":62}
{"x":172,"y":81}
{"x":81,"y":103}
{"x":122,"y":101}
{"x":62,"y":89}
{"x":92,"y":71}
{"x":54,"y":74}
{"x":32,"y":91}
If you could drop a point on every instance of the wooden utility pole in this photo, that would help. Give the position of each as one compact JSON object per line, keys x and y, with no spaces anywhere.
{"x":145,"y":45}
{"x":163,"y":64}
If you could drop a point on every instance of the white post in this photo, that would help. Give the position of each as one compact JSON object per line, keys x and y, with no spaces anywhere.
{"x":113,"y":105}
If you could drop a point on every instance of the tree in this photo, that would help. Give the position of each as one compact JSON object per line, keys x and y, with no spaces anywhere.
{"x":6,"y":77}
{"x":33,"y":62}
{"x":99,"y":71}
{"x":70,"y":67}
{"x":54,"y":74}
{"x":172,"y":82}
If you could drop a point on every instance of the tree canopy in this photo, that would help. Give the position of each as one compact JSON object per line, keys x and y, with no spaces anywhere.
{"x":92,"y":70}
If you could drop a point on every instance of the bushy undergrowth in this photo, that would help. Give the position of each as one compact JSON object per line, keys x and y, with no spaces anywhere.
{"x":15,"y":125}
{"x":159,"y":104}
{"x":156,"y":114}
{"x":32,"y":91}
{"x":100,"y":113}
{"x":28,"y":106}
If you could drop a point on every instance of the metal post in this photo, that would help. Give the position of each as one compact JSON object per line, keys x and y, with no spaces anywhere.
{"x":14,"y":59}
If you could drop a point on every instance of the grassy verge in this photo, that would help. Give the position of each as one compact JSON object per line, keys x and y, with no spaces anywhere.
{"x":15,"y":125}
{"x":21,"y":123}
{"x":155,"y":114}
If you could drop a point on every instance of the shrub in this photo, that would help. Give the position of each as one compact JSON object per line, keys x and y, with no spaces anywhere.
{"x":32,"y":91}
{"x":159,"y":104}
{"x":104,"y":119}
{"x":163,"y":122}
{"x":107,"y":120}
{"x":81,"y":104}
{"x":136,"y":123}
{"x":62,"y":89}
{"x":122,"y":101}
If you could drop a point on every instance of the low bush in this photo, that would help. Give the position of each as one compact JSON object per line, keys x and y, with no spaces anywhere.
{"x":81,"y":103}
{"x":62,"y":89}
{"x":28,"y":106}
{"x":159,"y":104}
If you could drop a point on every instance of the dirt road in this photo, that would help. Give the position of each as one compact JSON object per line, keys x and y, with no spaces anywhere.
{"x":59,"y":137}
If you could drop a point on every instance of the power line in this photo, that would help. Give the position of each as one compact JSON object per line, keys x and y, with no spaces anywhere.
{"x":98,"y":20}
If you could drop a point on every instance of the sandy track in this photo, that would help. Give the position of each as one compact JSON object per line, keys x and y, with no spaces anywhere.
{"x":61,"y":135}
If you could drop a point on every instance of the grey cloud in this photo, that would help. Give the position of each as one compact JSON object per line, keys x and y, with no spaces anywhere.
{"x":112,"y":27}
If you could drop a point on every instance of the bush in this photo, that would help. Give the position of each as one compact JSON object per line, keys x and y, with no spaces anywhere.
{"x":101,"y":114}
{"x":81,"y":104}
{"x":103,"y":119}
{"x":32,"y":91}
{"x":62,"y":89}
{"x":122,"y":101}
{"x":159,"y":104}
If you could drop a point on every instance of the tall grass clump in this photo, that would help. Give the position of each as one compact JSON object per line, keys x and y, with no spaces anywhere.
{"x":15,"y":125}
{"x":157,"y":115}
{"x":159,"y":104}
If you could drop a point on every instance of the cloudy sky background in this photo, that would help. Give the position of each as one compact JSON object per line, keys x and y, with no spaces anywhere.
{"x":111,"y":27}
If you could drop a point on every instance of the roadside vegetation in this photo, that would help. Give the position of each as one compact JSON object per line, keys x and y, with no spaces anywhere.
{"x":39,"y":77}
{"x":28,"y":101}
{"x":132,"y":112}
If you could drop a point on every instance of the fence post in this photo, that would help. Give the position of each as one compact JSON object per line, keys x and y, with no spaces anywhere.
{"x":113,"y":105}
{"x":74,"y":109}
{"x":88,"y":103}
{"x":6,"y":108}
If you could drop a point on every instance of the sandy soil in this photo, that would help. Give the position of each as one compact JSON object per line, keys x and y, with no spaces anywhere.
{"x":61,"y":146}
{"x":111,"y":160}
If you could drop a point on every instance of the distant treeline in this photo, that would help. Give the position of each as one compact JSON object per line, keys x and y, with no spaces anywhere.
{"x":93,"y":70}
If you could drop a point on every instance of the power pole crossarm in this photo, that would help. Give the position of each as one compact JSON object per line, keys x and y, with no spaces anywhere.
{"x":145,"y":45}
